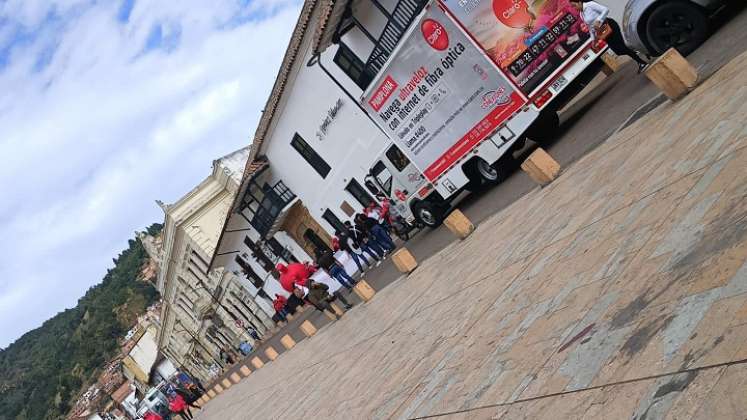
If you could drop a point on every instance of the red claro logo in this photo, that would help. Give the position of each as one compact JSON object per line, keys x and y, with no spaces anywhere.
{"x":435,"y":34}
{"x":513,"y":13}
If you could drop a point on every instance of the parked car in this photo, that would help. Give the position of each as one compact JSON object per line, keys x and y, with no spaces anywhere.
{"x":654,"y":26}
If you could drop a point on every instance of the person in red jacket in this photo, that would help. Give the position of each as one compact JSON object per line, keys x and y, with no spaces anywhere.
{"x":177,"y":405}
{"x":279,"y":305}
{"x":152,"y":416}
{"x":293,"y":274}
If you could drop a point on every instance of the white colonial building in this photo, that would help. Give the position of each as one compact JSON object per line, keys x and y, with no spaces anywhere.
{"x":314,"y":144}
{"x":205,"y":311}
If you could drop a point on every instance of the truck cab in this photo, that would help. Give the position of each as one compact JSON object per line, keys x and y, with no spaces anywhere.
{"x":393,"y":175}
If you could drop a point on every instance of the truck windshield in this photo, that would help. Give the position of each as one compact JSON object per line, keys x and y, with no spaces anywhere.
{"x":398,"y":159}
{"x":383,"y":176}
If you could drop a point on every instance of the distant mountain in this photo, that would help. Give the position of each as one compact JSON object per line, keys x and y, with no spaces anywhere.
{"x":42,"y":373}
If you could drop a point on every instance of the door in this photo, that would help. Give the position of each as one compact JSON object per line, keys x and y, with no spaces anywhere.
{"x":316,"y":242}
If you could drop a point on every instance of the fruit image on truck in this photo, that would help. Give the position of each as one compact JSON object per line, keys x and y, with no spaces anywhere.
{"x":462,"y":88}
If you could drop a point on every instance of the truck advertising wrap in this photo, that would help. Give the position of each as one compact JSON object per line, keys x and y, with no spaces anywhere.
{"x":527,"y":39}
{"x":441,"y":95}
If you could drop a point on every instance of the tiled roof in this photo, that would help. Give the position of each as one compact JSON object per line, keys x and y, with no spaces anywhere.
{"x":329,"y":19}
{"x":122,"y":392}
{"x":289,"y":60}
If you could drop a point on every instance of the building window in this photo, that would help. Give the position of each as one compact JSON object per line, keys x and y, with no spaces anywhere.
{"x":251,"y":275}
{"x":349,"y":63}
{"x":333,"y":221}
{"x":310,"y":155}
{"x":347,"y":209}
{"x":360,"y":193}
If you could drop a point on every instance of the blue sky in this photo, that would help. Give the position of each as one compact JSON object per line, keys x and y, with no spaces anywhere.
{"x":106,"y":106}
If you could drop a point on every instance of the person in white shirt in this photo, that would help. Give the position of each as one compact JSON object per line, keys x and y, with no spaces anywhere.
{"x":595,"y":16}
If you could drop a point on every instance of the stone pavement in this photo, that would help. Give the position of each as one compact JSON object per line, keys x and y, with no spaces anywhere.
{"x":618,"y":291}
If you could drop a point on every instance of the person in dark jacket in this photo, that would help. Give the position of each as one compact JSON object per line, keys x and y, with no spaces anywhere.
{"x":226,"y":357}
{"x":376,"y":232}
{"x":360,"y":239}
{"x":326,"y":260}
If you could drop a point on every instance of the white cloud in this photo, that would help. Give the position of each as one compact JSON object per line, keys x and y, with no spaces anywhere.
{"x":104,"y":126}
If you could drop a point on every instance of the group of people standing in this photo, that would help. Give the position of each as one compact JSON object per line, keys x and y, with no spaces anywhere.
{"x":296,"y":279}
{"x":368,"y":235}
{"x":366,"y":240}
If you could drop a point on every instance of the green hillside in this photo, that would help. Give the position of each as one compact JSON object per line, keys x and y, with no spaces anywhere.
{"x":45,"y":369}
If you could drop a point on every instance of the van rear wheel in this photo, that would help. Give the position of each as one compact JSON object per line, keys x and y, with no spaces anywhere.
{"x":428,"y":213}
{"x":488,"y":173}
{"x":480,"y":173}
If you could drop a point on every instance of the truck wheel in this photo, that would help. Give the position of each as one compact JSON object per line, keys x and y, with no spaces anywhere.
{"x":428,"y":213}
{"x":480,"y":173}
{"x":677,"y":24}
{"x":489,"y":174}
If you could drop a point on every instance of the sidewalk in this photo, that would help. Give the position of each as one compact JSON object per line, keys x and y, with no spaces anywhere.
{"x":619,"y":291}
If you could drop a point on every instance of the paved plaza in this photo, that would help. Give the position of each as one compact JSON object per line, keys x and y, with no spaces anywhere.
{"x":619,"y":291}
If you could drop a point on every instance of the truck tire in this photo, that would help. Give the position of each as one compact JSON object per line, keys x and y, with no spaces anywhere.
{"x":428,"y":213}
{"x":678,"y":24}
{"x":481,"y":173}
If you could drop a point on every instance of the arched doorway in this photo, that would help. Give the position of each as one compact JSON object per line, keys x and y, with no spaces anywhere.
{"x":316,"y":242}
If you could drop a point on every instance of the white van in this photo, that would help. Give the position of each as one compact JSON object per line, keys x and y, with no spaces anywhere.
{"x":654,"y":26}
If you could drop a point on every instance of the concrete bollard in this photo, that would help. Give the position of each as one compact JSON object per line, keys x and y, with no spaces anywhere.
{"x":288,"y":342}
{"x":211,"y":393}
{"x":257,"y":362}
{"x":245,"y":370}
{"x":226,"y":383}
{"x":459,"y":224}
{"x":235,"y":378}
{"x":672,"y":74}
{"x":271,"y":353}
{"x":218,"y":389}
{"x":308,"y":328}
{"x":612,"y":62}
{"x":541,"y":167}
{"x":291,"y":317}
{"x":404,"y":261}
{"x":364,"y":290}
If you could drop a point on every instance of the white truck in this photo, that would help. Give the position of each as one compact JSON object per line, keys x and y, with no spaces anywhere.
{"x":469,"y":81}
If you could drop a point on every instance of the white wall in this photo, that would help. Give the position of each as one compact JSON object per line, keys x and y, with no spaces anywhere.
{"x":349,"y":148}
{"x":145,"y":352}
{"x":166,"y":369}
